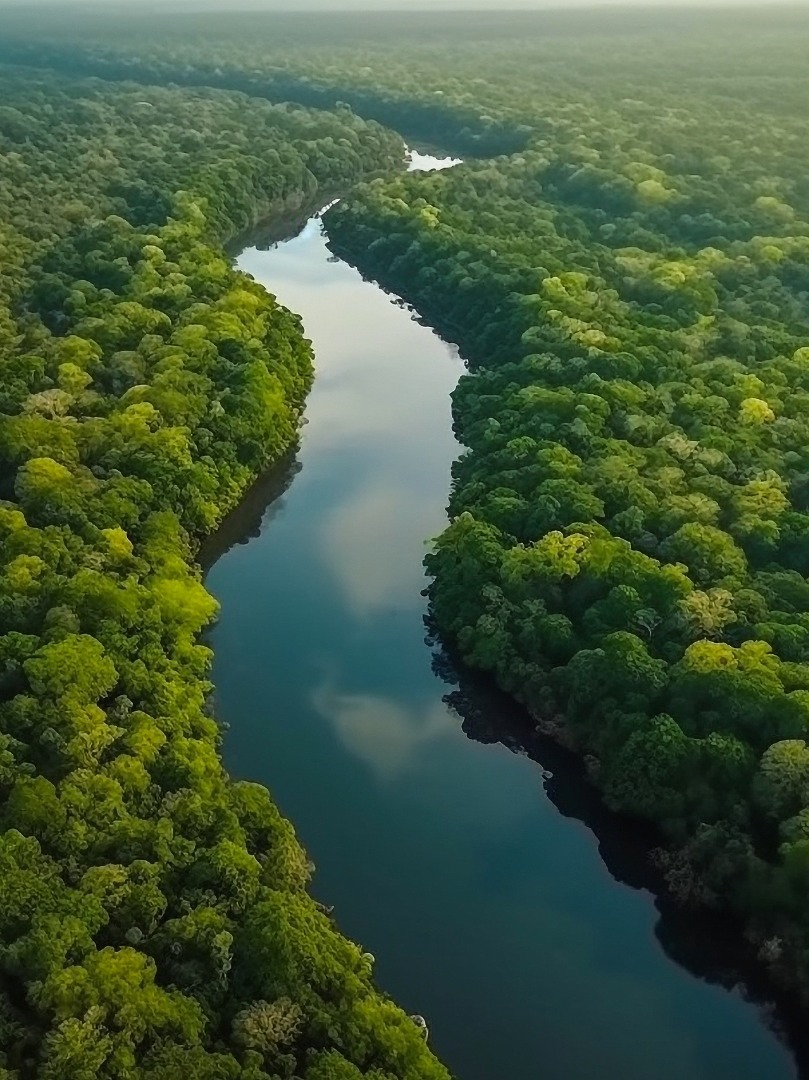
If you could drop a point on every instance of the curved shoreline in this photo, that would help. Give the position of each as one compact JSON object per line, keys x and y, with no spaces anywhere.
{"x":263,"y":656}
{"x":773,"y":985}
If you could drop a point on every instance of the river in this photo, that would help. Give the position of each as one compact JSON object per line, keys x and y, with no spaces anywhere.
{"x":476,"y":877}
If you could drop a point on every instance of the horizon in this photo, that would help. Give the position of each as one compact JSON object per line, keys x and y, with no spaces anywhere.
{"x":287,"y":7}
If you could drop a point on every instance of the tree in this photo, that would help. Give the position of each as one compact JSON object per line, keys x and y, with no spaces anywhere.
{"x":781,"y":785}
{"x":74,"y":669}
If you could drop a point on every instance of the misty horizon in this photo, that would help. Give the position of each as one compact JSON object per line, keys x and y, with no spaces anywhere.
{"x":400,"y":6}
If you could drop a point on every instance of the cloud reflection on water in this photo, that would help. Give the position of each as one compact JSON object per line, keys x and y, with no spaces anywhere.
{"x":368,"y":543}
{"x":380,"y":732}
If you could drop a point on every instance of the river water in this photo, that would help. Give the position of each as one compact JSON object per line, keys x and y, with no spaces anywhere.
{"x":477,"y":878}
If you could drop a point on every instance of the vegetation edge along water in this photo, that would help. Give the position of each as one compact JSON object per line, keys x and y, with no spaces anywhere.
{"x":629,"y":539}
{"x":628,"y":563}
{"x":154,"y":913}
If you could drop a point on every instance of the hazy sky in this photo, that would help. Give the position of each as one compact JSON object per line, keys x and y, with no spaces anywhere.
{"x":400,"y":5}
{"x":486,"y":5}
{"x":504,"y":5}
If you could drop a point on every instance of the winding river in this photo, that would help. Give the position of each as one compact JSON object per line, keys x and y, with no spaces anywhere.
{"x":499,"y":900}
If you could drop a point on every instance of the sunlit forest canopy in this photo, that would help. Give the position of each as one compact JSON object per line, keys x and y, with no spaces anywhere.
{"x":154,"y":914}
{"x":624,"y":261}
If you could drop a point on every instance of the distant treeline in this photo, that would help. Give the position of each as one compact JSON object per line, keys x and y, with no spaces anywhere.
{"x":455,"y":127}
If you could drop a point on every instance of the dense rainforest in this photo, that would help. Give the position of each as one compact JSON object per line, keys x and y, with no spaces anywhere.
{"x":629,"y":546}
{"x":154,"y":914}
{"x":624,"y":262}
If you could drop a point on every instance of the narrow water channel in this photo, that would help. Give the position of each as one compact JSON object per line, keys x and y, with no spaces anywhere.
{"x":489,"y":910}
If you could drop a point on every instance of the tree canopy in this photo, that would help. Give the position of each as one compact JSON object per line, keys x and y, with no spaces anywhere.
{"x":624,"y":262}
{"x":154,"y":918}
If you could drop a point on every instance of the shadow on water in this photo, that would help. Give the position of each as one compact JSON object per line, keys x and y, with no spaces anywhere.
{"x":279,"y":226}
{"x":260,"y":503}
{"x":706,"y":944}
{"x":529,"y":925}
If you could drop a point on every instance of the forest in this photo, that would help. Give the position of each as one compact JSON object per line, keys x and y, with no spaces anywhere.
{"x":623,"y":259}
{"x":629,"y":546}
{"x":154,"y":913}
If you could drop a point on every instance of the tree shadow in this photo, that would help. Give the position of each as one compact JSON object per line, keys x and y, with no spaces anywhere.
{"x":708,"y":945}
{"x":259,"y":505}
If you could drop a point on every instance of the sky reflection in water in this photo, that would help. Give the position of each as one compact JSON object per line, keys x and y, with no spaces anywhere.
{"x":489,"y":912}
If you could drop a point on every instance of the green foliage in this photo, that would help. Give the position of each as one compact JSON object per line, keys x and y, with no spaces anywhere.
{"x":145,"y":384}
{"x":629,"y":543}
{"x":629,"y":537}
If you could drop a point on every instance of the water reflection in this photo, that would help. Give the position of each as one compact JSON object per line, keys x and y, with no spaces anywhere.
{"x":260,"y":504}
{"x":703,"y":943}
{"x":425,"y":162}
{"x":351,"y":539}
{"x":380,"y":732}
{"x":492,"y":889}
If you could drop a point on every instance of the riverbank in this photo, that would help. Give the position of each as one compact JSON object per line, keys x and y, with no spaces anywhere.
{"x":573,"y":570}
{"x":154,"y":912}
{"x":332,"y":698}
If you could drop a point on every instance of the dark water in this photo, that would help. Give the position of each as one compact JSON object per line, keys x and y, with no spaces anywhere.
{"x":478,"y":880}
